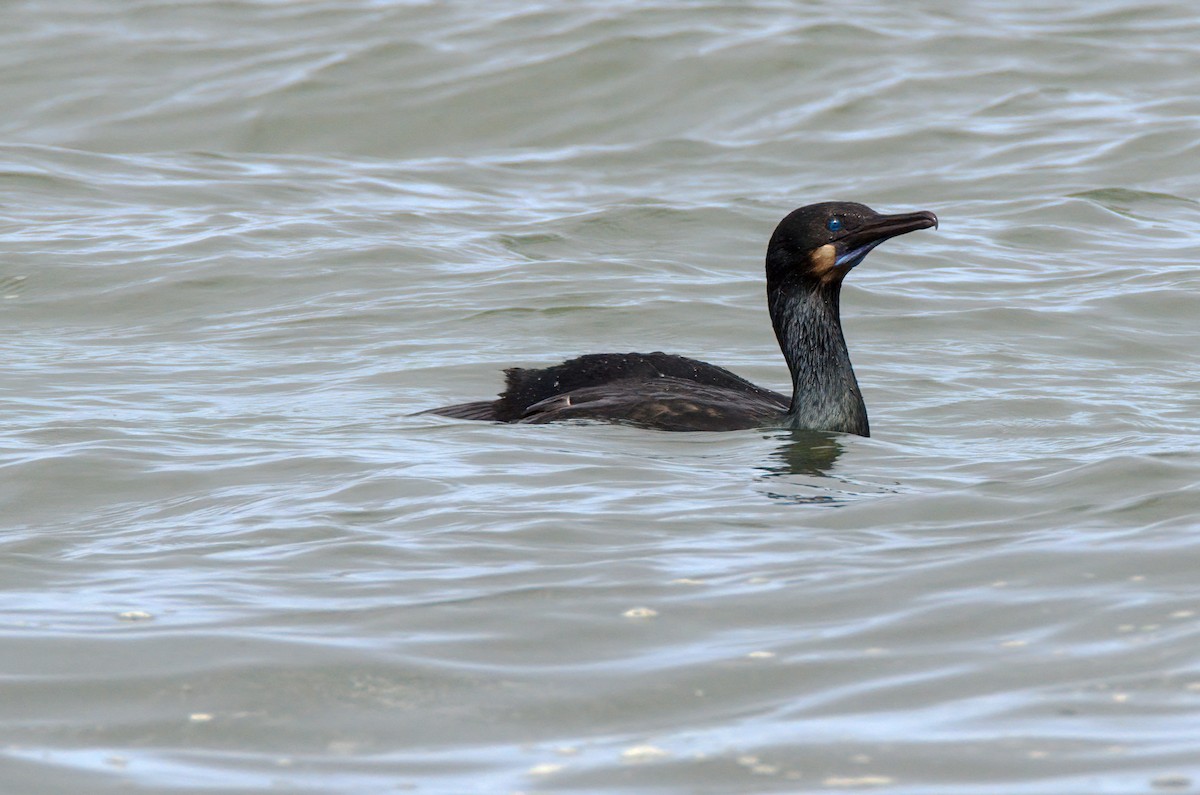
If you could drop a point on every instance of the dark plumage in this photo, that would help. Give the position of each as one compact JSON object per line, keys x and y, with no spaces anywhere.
{"x":809,"y":254}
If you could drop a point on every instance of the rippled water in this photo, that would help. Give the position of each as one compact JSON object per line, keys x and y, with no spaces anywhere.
{"x":241,"y":242}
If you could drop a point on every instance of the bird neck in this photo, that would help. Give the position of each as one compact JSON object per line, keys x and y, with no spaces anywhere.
{"x":808,"y":324}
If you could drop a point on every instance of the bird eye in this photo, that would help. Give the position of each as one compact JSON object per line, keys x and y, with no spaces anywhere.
{"x":834,"y":224}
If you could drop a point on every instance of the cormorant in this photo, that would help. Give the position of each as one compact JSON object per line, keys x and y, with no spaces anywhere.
{"x":811,"y":251}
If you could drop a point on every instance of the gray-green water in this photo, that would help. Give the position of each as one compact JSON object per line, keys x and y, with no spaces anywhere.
{"x":240,"y":242}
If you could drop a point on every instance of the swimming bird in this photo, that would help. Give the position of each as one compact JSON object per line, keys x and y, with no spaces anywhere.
{"x":809,"y":255}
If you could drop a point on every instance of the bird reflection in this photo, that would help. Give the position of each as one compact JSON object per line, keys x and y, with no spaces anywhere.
{"x":808,"y":454}
{"x":804,"y":452}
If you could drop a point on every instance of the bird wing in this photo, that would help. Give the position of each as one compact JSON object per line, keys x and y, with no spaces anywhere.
{"x":525,"y":389}
{"x":665,"y":403}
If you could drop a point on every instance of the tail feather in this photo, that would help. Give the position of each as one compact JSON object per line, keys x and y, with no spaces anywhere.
{"x":478,"y":410}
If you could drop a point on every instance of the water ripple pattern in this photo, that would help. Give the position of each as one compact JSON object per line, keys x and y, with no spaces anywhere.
{"x":241,"y":243}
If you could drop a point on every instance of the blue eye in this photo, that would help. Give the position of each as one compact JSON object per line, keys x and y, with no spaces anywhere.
{"x":834,"y":224}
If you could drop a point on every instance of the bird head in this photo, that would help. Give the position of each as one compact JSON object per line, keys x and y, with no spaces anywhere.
{"x":823,"y":242}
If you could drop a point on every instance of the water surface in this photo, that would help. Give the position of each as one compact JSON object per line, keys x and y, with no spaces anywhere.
{"x":241,"y":243}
